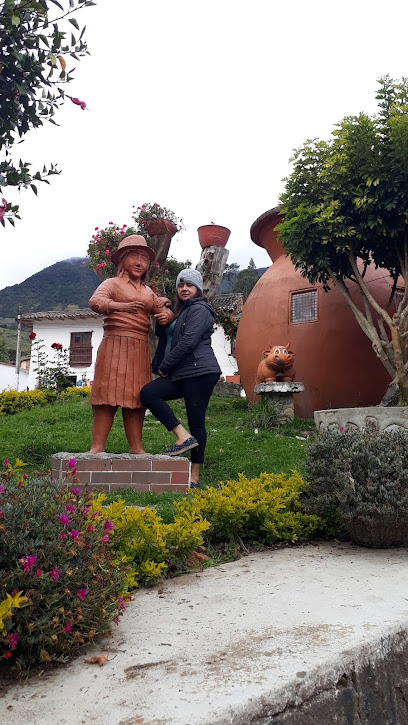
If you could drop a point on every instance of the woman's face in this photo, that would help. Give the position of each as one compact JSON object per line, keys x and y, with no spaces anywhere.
{"x":186,"y":291}
{"x":136,"y":264}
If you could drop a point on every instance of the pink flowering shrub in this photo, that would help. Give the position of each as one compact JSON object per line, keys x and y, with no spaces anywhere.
{"x":60,"y":557}
{"x":105,"y":241}
{"x":102,"y":245}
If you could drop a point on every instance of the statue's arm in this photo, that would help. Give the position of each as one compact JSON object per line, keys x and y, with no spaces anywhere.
{"x":161,"y":310}
{"x":101,"y":298}
{"x":103,"y":301}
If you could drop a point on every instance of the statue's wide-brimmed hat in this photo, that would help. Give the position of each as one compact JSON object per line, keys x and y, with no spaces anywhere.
{"x":133,"y":243}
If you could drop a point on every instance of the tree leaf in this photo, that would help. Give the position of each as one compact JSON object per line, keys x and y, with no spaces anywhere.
{"x":74,"y":23}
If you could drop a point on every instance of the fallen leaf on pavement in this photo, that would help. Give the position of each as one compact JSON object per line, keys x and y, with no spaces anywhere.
{"x":98,"y":660}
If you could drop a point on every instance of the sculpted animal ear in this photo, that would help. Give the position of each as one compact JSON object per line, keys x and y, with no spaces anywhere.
{"x":266,"y":352}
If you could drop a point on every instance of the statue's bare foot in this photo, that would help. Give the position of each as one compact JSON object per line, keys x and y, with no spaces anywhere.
{"x":137,"y":451}
{"x":96,"y":449}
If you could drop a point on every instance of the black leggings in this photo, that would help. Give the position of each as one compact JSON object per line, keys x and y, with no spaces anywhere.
{"x":196,"y":392}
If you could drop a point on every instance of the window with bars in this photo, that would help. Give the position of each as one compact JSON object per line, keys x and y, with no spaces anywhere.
{"x":80,"y":349}
{"x":398,"y":295}
{"x":303,"y":306}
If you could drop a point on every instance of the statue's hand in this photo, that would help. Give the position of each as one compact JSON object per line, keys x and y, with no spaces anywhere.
{"x":162,"y":317}
{"x":134,"y":307}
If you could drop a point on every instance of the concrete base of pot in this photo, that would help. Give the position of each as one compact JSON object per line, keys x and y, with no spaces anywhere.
{"x":372,"y":419}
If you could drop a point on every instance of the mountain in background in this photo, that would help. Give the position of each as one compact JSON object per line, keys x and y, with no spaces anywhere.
{"x":69,"y":282}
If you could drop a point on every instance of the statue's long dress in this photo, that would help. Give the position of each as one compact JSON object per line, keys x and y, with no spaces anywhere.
{"x":123,"y":359}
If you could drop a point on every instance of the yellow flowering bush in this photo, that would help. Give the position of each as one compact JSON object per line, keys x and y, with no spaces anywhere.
{"x":12,"y":402}
{"x":150,"y":547}
{"x":73,"y":392}
{"x":266,"y":509}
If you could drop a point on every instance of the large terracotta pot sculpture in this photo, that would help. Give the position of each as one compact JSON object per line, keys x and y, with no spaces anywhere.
{"x":334,"y":358}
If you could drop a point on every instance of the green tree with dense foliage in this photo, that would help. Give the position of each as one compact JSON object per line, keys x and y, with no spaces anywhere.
{"x":36,"y":38}
{"x":345,"y":207}
{"x":4,"y":356}
{"x":246,"y":280}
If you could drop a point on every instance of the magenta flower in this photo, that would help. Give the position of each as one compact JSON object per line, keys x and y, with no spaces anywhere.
{"x":86,"y":510}
{"x":96,"y":229}
{"x":70,"y":508}
{"x":105,"y":538}
{"x":12,"y":640}
{"x":72,"y":463}
{"x":121,"y":603}
{"x":1,"y":489}
{"x":81,"y":594}
{"x":368,"y":483}
{"x":90,"y":528}
{"x":3,"y":207}
{"x":108,"y":526}
{"x":77,"y":102}
{"x":64,"y":519}
{"x":28,"y":564}
{"x":74,"y":533}
{"x":55,"y":574}
{"x":68,"y":628}
{"x":166,"y":271}
{"x":106,"y":251}
{"x":75,"y":491}
{"x":6,"y":462}
{"x":63,"y":536}
{"x":38,"y":573}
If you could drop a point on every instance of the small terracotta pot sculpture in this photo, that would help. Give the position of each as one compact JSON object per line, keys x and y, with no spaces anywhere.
{"x":277,"y":365}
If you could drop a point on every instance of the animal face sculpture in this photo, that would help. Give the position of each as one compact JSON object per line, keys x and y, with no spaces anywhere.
{"x":277,"y":365}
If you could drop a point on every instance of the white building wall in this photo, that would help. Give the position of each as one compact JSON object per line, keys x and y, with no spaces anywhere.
{"x":8,"y":378}
{"x":50,"y":331}
{"x":222,"y":350}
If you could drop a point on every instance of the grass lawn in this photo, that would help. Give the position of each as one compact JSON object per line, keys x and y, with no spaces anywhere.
{"x":233,"y":446}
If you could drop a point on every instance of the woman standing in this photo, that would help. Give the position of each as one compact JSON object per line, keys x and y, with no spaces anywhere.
{"x":123,"y":360}
{"x":189,"y":370}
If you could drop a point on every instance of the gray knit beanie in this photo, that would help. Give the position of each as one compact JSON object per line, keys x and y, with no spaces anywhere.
{"x":192,"y":276}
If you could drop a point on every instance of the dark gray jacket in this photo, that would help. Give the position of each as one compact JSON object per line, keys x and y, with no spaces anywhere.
{"x":191,"y":353}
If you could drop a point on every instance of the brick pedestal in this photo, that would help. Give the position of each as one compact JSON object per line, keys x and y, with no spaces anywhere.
{"x":110,"y":472}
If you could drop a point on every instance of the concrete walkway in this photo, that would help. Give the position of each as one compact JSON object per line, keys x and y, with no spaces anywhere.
{"x":239,"y":643}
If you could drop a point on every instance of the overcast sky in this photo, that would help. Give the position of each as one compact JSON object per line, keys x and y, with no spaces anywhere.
{"x":196,"y":106}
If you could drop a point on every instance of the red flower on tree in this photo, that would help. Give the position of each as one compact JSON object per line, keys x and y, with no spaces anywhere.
{"x":78,"y":102}
{"x":32,"y":335}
